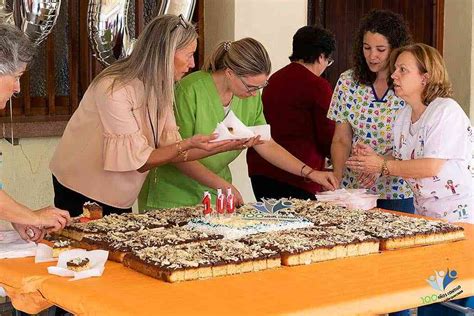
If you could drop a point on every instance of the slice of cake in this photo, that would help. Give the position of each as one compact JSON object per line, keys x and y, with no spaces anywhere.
{"x":295,"y":247}
{"x":119,"y":244}
{"x":178,"y":216}
{"x":326,"y":214}
{"x":114,"y":222}
{"x":78,"y":264}
{"x":60,"y":246}
{"x":92,"y":210}
{"x":308,"y":245}
{"x":396,"y":231}
{"x":201,"y":260}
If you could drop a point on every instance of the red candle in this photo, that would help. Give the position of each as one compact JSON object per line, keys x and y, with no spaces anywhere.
{"x":230,"y":203}
{"x":206,"y":201}
{"x":220,"y":202}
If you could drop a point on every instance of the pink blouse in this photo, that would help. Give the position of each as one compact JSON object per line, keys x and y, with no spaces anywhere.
{"x":107,"y":139}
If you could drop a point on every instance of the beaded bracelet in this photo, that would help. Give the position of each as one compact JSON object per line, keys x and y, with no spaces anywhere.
{"x":182,"y":153}
{"x":185,"y":155}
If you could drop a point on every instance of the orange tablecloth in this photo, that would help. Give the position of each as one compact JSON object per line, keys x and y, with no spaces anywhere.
{"x":21,"y":279}
{"x":372,"y":284}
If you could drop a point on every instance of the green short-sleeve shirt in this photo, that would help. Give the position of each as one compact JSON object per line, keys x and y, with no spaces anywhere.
{"x":198,"y":110}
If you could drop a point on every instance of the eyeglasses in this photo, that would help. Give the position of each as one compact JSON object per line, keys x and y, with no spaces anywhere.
{"x":182,"y":22}
{"x":251,"y":89}
{"x":330,"y":61}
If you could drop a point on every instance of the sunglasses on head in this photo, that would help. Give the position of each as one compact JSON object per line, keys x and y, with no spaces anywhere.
{"x":182,"y":22}
{"x":330,"y":61}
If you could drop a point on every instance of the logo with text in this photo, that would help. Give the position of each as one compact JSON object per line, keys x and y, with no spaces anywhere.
{"x":272,"y":210}
{"x":440,"y":282}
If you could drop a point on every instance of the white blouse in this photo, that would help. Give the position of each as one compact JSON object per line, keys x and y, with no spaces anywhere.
{"x":442,"y":132}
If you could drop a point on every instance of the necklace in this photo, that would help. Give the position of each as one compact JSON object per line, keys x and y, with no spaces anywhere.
{"x":228,"y":107}
{"x":155,"y":141}
{"x":224,"y":103}
{"x":155,"y":138}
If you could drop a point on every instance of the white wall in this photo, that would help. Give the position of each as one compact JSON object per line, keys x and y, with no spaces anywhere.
{"x":471,"y":87}
{"x":219,"y":21}
{"x":459,"y":51}
{"x":273,"y":23}
{"x":25,"y":173}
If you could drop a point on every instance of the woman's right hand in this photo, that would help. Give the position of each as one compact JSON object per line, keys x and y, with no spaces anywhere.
{"x":52,"y":218}
{"x":238,"y":199}
{"x":241,"y":144}
{"x":327,"y":179}
{"x":204,"y":142}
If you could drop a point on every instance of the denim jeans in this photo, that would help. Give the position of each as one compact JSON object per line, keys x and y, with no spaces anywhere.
{"x":400,"y":205}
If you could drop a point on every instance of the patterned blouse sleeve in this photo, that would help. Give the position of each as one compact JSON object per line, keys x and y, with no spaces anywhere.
{"x":338,"y":108}
{"x":125,"y":146}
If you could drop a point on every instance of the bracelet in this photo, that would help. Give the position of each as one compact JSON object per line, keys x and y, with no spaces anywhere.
{"x":305,"y":178}
{"x":385,"y":171}
{"x":185,"y":155}
{"x":179,"y":148}
{"x":181,"y":153}
{"x":301,"y":171}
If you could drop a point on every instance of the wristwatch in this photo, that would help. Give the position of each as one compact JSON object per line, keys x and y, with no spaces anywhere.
{"x":385,"y":171}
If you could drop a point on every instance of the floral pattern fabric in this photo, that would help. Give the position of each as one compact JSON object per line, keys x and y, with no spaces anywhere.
{"x":371,"y":119}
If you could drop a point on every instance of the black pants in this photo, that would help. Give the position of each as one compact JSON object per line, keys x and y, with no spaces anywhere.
{"x":73,"y":201}
{"x":264,"y":187}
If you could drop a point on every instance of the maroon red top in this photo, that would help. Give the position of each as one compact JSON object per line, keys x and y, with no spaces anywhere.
{"x":295,"y":104}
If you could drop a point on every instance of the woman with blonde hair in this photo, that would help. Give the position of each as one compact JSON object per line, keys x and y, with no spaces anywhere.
{"x":432,"y":138}
{"x":229,"y":81}
{"x":124,"y":125}
{"x":433,"y":145}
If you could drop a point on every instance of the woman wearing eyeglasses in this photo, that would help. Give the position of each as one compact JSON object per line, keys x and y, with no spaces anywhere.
{"x":297,"y":93}
{"x":364,"y":106}
{"x":230,"y":81}
{"x":125,"y":125}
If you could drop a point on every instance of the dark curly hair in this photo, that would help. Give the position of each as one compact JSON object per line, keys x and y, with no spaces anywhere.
{"x":387,"y":23}
{"x":309,"y":42}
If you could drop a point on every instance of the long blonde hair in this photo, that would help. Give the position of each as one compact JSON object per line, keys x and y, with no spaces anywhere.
{"x":429,"y":61}
{"x":246,"y":57}
{"x":152,"y":61}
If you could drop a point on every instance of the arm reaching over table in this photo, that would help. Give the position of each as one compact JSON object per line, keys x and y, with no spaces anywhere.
{"x":49,"y":218}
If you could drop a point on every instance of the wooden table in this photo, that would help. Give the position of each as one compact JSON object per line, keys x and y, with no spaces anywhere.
{"x":373,"y":284}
